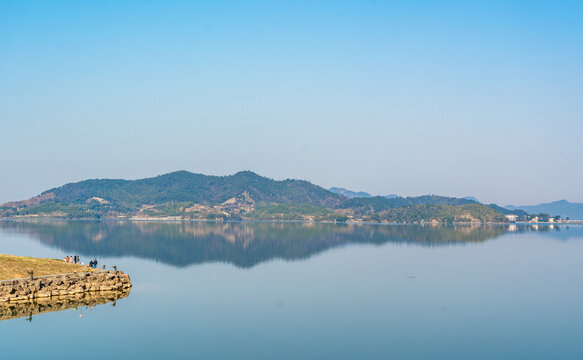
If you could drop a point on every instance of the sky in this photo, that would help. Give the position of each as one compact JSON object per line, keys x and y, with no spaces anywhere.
{"x":480,"y":98}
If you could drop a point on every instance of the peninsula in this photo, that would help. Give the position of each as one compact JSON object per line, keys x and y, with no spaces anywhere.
{"x":26,"y":278}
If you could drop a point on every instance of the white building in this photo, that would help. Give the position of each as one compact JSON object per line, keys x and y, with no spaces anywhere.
{"x":512,"y":217}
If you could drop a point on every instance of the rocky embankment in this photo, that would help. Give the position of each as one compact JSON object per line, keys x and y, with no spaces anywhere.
{"x":62,"y":285}
{"x":16,"y":309}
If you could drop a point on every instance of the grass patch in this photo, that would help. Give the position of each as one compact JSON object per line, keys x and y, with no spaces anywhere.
{"x":15,"y":267}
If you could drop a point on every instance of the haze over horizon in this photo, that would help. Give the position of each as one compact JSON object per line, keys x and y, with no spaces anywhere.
{"x":455,"y":99}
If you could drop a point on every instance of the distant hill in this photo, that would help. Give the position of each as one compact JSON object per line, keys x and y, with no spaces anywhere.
{"x":442,"y":213}
{"x":420,"y":208}
{"x":99,"y":197}
{"x":354,"y":194}
{"x":381,"y":203}
{"x":348,"y":193}
{"x":506,"y":211}
{"x":242,"y":196}
{"x":186,"y":186}
{"x":562,"y":208}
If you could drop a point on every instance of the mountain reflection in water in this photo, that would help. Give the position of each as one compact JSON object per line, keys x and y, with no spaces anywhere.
{"x":242,"y":244}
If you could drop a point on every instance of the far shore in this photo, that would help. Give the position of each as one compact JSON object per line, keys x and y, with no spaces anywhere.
{"x":351,"y":222}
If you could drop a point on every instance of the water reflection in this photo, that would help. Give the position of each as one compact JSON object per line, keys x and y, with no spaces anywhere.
{"x":242,"y":244}
{"x":13,"y":310}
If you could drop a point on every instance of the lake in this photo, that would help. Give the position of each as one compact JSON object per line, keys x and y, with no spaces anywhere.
{"x":310,"y":291}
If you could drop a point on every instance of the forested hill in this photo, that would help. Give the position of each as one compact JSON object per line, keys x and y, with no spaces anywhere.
{"x":242,"y":196}
{"x":381,"y":203}
{"x":184,"y":186}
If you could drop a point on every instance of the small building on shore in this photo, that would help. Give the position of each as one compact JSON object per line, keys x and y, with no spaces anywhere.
{"x":511,"y":217}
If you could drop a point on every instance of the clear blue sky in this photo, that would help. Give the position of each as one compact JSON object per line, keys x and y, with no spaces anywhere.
{"x":444,"y":97}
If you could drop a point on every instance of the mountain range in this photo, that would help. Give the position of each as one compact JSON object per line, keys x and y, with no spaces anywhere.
{"x":242,"y":196}
{"x":352,"y":194}
{"x":563,"y":208}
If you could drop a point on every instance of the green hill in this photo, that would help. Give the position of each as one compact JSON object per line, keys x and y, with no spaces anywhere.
{"x":92,"y":198}
{"x":441,"y":213}
{"x":375,"y":204}
{"x":197,"y":188}
{"x":242,"y":196}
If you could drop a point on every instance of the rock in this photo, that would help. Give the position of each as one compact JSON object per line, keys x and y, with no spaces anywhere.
{"x":70,"y":284}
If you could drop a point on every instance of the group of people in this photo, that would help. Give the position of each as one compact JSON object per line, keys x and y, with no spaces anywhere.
{"x":75,"y":260}
{"x":72,"y":259}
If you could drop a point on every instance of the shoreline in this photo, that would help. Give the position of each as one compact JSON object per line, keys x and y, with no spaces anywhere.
{"x":56,"y":285}
{"x":29,"y":278}
{"x":179,"y":220}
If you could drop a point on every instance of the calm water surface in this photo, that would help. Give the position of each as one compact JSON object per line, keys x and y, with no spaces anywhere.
{"x":311,"y":291}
